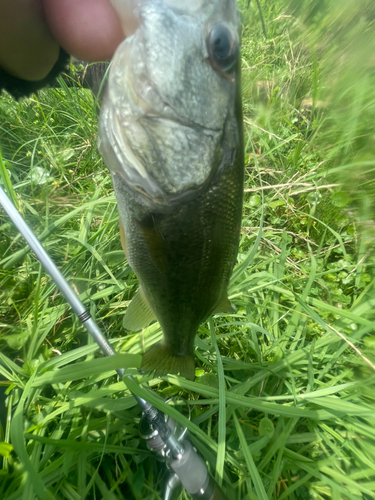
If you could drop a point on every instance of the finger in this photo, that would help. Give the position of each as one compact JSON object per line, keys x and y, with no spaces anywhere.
{"x":88,"y":29}
{"x":27,"y":47}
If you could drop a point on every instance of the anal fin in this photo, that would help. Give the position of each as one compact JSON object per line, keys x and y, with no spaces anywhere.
{"x":139,"y":313}
{"x":224,"y":306}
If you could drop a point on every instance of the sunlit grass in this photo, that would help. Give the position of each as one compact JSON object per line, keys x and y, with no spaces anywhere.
{"x":294,"y":367}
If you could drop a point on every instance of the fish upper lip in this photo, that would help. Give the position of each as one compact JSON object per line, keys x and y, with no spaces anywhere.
{"x":184,"y":123}
{"x":173,"y":116}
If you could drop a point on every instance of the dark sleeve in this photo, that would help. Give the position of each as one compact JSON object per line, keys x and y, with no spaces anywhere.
{"x":22,"y":88}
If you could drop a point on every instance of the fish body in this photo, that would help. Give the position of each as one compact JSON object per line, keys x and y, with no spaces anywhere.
{"x":171,"y":135}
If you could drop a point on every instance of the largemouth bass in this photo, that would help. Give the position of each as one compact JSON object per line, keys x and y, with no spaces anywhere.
{"x":171,"y":134}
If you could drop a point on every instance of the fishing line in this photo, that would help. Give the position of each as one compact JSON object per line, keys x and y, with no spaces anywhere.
{"x":188,"y":467}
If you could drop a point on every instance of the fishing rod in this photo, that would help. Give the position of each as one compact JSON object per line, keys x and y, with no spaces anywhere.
{"x":188,"y":468}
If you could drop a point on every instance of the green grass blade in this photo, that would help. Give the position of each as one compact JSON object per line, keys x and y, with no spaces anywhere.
{"x":222,"y":409}
{"x":16,"y":431}
{"x":88,"y":369}
{"x":254,"y":474}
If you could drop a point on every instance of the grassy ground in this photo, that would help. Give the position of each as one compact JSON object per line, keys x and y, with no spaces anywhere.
{"x":283,"y":401}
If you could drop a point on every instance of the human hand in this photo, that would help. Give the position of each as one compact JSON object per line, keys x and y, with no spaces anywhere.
{"x":31,"y":32}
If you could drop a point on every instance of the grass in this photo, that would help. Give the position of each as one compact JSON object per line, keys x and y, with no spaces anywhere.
{"x":283,"y":401}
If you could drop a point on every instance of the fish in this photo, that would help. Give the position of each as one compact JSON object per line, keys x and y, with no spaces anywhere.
{"x":171,"y":134}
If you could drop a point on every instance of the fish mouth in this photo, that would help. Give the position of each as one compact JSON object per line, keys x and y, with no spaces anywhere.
{"x":153,"y":168}
{"x":162,"y":156}
{"x":145,"y":94}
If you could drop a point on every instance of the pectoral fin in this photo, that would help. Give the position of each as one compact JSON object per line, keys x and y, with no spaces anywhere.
{"x":123,"y":239}
{"x":155,"y":243}
{"x":224,"y":306}
{"x":139,"y":313}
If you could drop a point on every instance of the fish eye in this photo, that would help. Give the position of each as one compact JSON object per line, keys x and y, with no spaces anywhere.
{"x":222,"y":47}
